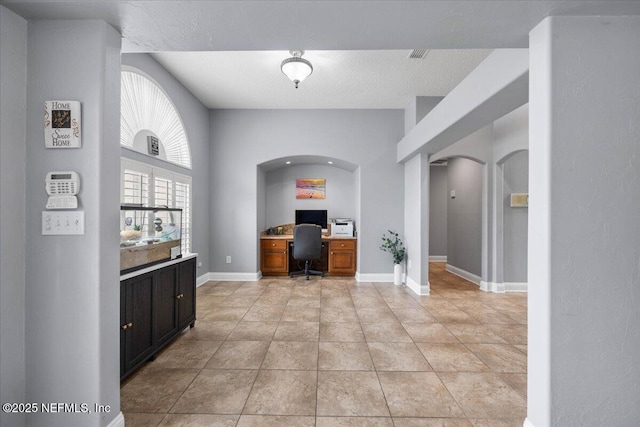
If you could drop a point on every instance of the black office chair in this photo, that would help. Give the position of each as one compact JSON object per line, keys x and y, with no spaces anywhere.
{"x":307,"y":246}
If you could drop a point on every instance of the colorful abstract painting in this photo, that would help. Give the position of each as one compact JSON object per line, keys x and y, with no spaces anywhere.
{"x":310,"y":188}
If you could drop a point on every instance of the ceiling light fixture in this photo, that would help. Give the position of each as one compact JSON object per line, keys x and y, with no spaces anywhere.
{"x":296,"y":68}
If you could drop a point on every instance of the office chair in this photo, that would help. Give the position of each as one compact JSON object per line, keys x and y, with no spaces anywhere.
{"x":307,"y":246}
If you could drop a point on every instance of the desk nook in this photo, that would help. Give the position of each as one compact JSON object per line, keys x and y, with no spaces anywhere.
{"x":339,"y":254}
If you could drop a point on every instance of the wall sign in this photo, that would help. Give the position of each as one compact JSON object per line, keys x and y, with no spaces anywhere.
{"x":62,"y":124}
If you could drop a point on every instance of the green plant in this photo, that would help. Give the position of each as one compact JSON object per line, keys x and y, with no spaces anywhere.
{"x":393,"y":244}
{"x":137,"y":227}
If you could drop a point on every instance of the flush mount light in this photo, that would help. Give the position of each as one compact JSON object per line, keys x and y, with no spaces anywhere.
{"x":296,"y":68}
{"x":330,"y":162}
{"x":288,"y":162}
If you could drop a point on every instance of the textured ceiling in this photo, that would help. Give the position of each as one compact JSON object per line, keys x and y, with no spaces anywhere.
{"x":340,"y":79}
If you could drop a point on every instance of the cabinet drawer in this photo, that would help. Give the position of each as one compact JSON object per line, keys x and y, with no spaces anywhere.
{"x":274,"y":244}
{"x":343,"y":245}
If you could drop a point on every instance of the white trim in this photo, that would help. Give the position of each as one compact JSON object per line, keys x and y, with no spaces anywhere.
{"x":374,"y":277}
{"x":464,"y":274}
{"x":501,"y":288}
{"x":497,"y":288}
{"x":416,"y":288}
{"x":201,"y":280}
{"x":437,"y":258}
{"x":527,"y":423}
{"x":234,"y":277}
{"x":516,"y":286}
{"x":118,"y":421}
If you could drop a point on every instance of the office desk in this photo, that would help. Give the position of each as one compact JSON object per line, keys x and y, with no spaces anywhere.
{"x":339,"y":255}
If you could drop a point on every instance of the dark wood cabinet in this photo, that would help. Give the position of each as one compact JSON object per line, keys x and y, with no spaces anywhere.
{"x":186,"y":296}
{"x":154,"y":308}
{"x":136,"y":329}
{"x":166,"y":319}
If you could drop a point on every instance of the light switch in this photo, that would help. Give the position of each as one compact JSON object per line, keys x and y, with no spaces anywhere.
{"x":453,"y":194}
{"x":62,"y":223}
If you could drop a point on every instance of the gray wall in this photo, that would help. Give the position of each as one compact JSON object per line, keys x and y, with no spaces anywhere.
{"x":438,"y":201}
{"x":72,"y":291}
{"x":13,"y":74}
{"x":515,"y":220}
{"x":243,"y":139}
{"x":195,"y":118}
{"x":584,"y":251}
{"x":464,"y":223}
{"x":281,"y":202}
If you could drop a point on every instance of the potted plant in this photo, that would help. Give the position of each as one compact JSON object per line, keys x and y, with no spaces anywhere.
{"x":393,"y":244}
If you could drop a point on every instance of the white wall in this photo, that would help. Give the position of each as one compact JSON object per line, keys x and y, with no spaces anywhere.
{"x":243,"y":139}
{"x":584,"y":251}
{"x":13,"y":74}
{"x":438,"y":197}
{"x":281,"y":202}
{"x":195,"y":118}
{"x":416,"y":223}
{"x":72,"y":338}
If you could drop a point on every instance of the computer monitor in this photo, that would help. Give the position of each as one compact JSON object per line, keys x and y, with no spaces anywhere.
{"x":317,"y":216}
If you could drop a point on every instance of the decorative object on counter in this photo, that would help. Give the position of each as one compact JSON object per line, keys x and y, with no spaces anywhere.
{"x":148,"y":236}
{"x":393,"y":244}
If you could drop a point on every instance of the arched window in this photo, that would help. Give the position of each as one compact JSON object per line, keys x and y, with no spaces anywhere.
{"x":146,"y":111}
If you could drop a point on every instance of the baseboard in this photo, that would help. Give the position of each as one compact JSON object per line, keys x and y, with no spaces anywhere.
{"x":527,"y":423}
{"x":374,"y":277}
{"x":496,"y":288}
{"x":464,"y":274}
{"x":437,"y":258}
{"x":201,"y":280}
{"x":416,"y":288}
{"x":235,"y":277}
{"x":516,"y":286}
{"x":118,"y":421}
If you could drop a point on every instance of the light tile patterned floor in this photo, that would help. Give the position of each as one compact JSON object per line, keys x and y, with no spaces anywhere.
{"x":336,"y":352}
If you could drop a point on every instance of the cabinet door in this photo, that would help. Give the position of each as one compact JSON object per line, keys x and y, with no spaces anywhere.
{"x":187,"y":293}
{"x":166,"y":303}
{"x":138,"y":333}
{"x":274,"y":256}
{"x":342,"y":258}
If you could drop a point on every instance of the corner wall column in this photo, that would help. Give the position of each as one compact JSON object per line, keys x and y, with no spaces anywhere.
{"x":416,"y":222}
{"x":72,"y":282}
{"x":584,"y":251}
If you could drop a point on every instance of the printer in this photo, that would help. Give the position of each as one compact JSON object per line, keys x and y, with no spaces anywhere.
{"x":341,"y":227}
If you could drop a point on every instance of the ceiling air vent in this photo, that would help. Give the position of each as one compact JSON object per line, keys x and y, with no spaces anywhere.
{"x":418,"y":53}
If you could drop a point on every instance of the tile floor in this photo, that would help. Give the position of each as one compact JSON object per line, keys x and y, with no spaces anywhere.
{"x":336,"y":352}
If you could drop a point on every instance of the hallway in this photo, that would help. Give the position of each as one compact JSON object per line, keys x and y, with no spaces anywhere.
{"x":337,"y":352}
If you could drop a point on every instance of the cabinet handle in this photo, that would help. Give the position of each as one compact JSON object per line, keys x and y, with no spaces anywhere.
{"x":273,"y":244}
{"x":332,"y":253}
{"x":179,"y":296}
{"x":342,"y":244}
{"x":130,"y":325}
{"x":124,"y":327}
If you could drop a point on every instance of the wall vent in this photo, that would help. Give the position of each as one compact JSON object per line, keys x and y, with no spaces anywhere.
{"x":418,"y":54}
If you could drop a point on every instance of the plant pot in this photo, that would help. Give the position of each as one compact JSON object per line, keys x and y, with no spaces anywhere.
{"x":397,"y":274}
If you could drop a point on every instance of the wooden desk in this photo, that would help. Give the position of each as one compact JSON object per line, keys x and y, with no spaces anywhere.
{"x":339,"y":255}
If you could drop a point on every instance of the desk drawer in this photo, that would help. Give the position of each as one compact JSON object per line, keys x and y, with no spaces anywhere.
{"x":343,"y":245}
{"x":274,"y":244}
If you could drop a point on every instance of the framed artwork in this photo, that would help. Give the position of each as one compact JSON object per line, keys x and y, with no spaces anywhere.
{"x":310,"y":188}
{"x":62,"y":124}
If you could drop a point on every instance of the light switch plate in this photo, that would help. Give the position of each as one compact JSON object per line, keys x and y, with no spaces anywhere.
{"x":62,"y":223}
